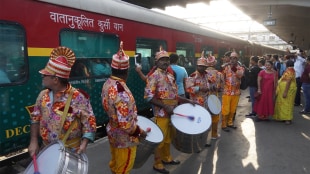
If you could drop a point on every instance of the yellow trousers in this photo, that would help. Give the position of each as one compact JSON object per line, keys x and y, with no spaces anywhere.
{"x":122,"y":159}
{"x":215,"y":121}
{"x":229,"y":106}
{"x":162,"y":152}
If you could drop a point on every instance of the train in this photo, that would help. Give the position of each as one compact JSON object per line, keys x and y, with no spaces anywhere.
{"x":93,"y":29}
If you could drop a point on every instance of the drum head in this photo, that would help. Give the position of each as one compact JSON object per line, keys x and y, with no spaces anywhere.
{"x":156,"y":135}
{"x":214,"y":104}
{"x":48,"y":159}
{"x":200,"y":124}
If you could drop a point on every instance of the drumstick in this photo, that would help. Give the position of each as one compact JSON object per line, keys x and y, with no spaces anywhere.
{"x":35,"y":164}
{"x":192,"y":118}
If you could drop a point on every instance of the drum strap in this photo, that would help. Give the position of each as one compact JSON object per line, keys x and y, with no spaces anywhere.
{"x":169,"y":101}
{"x":64,"y":139}
{"x":64,"y":115}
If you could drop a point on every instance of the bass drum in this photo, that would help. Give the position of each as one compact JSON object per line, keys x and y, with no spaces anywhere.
{"x":56,"y":159}
{"x":147,"y":146}
{"x":190,"y":135}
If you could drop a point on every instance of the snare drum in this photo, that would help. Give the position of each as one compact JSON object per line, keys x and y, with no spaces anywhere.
{"x":213,"y":104}
{"x":146,"y":146}
{"x":188,"y":135}
{"x":56,"y":159}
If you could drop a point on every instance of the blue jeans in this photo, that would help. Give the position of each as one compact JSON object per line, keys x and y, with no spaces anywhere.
{"x":306,"y":91}
{"x":252,"y":92}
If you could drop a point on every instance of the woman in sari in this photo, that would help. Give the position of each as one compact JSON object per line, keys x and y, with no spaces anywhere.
{"x":266,"y":85}
{"x":286,"y":91}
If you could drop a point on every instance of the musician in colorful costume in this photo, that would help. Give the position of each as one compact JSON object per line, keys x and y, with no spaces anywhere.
{"x":119,"y":103}
{"x":216,"y":84}
{"x":232,"y":73}
{"x":61,"y":112}
{"x":161,"y":91}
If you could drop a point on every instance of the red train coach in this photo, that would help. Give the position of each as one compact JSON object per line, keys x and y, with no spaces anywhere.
{"x":30,"y":29}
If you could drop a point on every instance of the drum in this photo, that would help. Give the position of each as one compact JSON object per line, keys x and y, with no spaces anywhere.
{"x":147,"y":146}
{"x":213,"y":104}
{"x":56,"y":159}
{"x":190,"y":127}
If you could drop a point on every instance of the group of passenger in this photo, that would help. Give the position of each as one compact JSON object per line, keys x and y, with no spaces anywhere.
{"x":64,"y":113}
{"x":275,"y":86}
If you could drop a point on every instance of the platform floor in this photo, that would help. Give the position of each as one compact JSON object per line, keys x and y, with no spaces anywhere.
{"x":253,"y":148}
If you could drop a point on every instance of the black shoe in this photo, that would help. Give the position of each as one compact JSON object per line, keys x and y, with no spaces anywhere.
{"x":297,"y":104}
{"x":173,"y":162}
{"x":161,"y":170}
{"x":225,"y":129}
{"x":207,"y":145}
{"x":250,"y":115}
{"x":232,"y":127}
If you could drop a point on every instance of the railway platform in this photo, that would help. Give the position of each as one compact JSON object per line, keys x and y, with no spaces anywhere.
{"x":253,"y":148}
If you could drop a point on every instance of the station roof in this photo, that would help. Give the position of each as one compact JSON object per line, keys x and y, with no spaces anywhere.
{"x":286,"y":18}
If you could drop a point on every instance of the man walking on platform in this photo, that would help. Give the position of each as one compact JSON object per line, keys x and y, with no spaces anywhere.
{"x":161,"y":91}
{"x":201,"y":83}
{"x":122,"y":129}
{"x":232,"y":73}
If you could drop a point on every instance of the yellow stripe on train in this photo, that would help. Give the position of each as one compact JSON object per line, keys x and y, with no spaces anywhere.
{"x":33,"y":51}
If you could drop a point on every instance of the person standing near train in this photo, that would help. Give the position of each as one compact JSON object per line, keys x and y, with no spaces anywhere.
{"x":266,"y":88}
{"x":299,"y":66}
{"x":61,"y":112}
{"x":161,"y":91}
{"x":305,"y":79}
{"x":119,"y":103}
{"x":252,"y":82}
{"x":285,"y":95}
{"x":180,"y":73}
{"x":232,"y":73}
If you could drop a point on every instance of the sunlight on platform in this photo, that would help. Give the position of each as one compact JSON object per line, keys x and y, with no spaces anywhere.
{"x":247,"y":127}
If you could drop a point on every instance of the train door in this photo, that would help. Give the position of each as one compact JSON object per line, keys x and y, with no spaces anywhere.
{"x":15,"y":94}
{"x":186,"y":52}
{"x":146,"y":48}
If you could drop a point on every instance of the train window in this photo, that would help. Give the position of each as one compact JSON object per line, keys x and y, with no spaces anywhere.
{"x":148,"y":48}
{"x":186,"y":54}
{"x":13,"y":69}
{"x":93,"y":51}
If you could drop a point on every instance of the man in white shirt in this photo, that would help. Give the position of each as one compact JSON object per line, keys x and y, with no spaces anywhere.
{"x":299,"y":67}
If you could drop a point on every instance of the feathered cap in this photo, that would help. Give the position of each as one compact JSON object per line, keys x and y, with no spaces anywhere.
{"x":202,"y":60}
{"x":60,"y":63}
{"x":120,"y":60}
{"x":162,"y":53}
{"x":211,"y":61}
